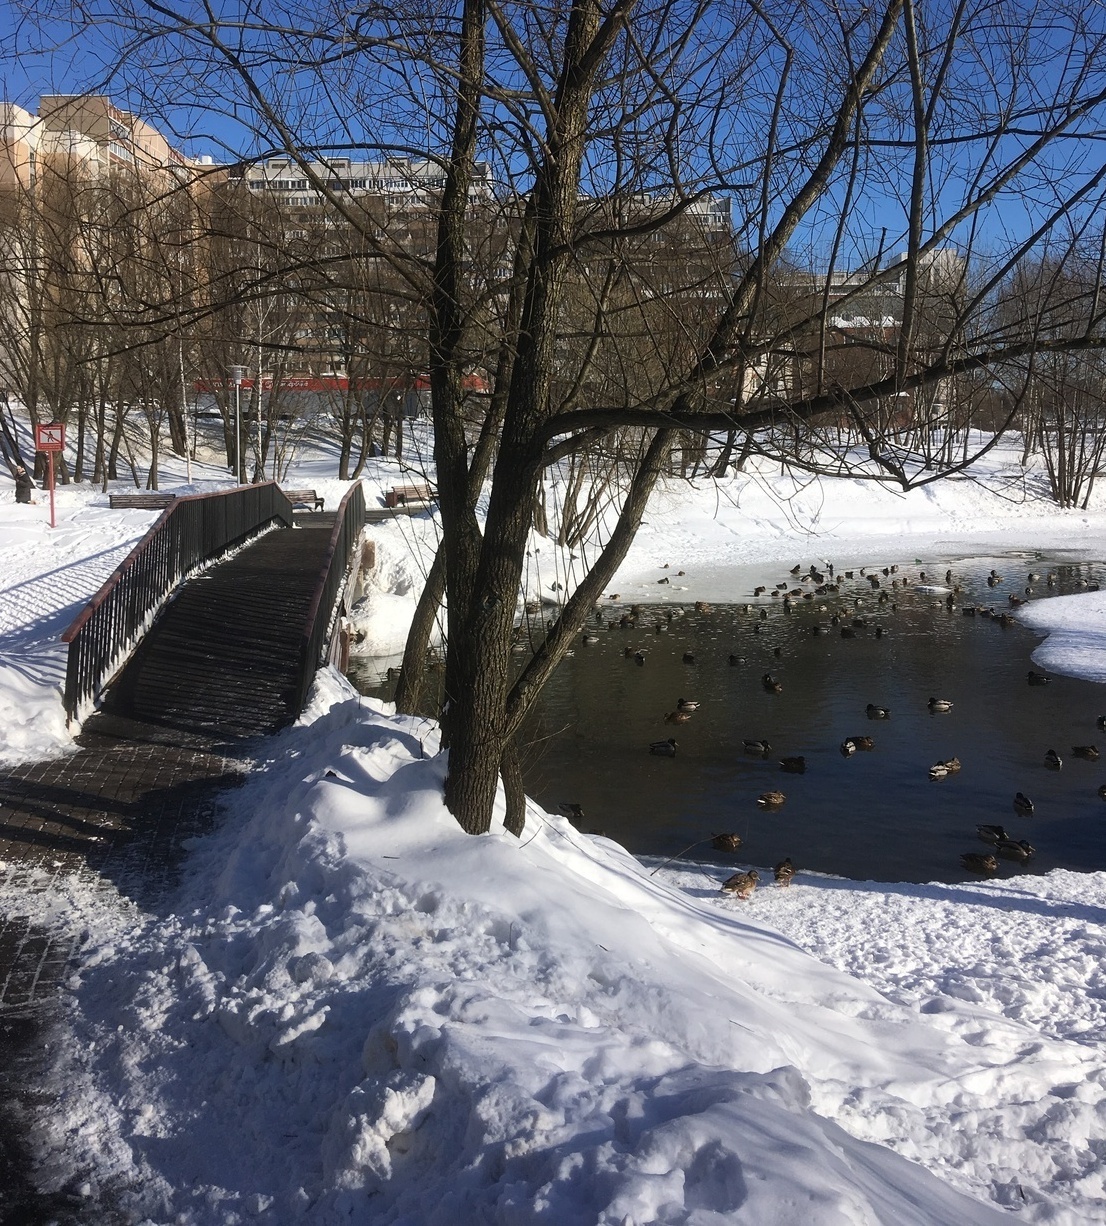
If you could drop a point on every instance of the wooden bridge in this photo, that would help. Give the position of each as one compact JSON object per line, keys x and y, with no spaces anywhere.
{"x":228,"y":659}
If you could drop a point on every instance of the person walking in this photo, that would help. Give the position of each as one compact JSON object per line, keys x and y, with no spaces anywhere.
{"x":23,"y":485}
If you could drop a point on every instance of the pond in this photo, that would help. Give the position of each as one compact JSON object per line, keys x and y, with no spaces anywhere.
{"x":873,"y":814}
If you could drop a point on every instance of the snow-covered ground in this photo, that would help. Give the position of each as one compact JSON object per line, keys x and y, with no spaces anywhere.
{"x":352,"y":1012}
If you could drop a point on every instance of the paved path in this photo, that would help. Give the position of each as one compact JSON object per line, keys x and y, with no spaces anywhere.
{"x":220,"y":667}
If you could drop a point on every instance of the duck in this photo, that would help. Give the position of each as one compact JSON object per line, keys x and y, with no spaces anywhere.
{"x":1089,"y":753}
{"x":864,"y":743}
{"x":940,"y":704}
{"x":783,"y":872}
{"x":771,"y":800}
{"x":591,"y":637}
{"x":952,"y":765}
{"x":572,"y":809}
{"x":979,"y":862}
{"x":735,"y":660}
{"x":939,"y":771}
{"x":1053,"y":760}
{"x":848,"y":747}
{"x":793,"y":765}
{"x":1015,"y":849}
{"x":664,"y":749}
{"x":726,"y":842}
{"x":1100,"y":723}
{"x":639,"y":658}
{"x":876,"y":712}
{"x":687,"y":704}
{"x":742,"y":884}
{"x":797,"y":568}
{"x":771,"y":684}
{"x":1022,"y":804}
{"x":992,"y":834}
{"x":1102,"y":791}
{"x":1038,"y":678}
{"x":689,"y":657}
{"x":702,"y":607}
{"x":761,"y":748}
{"x":677,"y":717}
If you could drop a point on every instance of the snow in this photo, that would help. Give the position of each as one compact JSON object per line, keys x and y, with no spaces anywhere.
{"x":353,"y":1012}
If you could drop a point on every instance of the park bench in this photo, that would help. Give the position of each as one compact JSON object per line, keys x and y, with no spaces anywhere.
{"x":305,"y":497}
{"x":403,"y":495}
{"x":149,"y":501}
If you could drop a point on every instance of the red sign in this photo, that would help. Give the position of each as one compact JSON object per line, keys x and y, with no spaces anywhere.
{"x":50,"y":438}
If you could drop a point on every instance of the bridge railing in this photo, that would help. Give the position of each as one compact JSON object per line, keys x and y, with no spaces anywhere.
{"x":194,"y":531}
{"x":348,"y":525}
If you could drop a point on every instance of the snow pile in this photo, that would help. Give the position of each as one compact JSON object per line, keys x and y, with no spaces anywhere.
{"x":359,"y":1013}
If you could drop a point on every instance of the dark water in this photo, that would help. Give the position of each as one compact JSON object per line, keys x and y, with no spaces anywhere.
{"x":873,"y":815}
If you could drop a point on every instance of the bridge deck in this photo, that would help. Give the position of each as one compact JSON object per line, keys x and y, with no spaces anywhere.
{"x":220,"y":666}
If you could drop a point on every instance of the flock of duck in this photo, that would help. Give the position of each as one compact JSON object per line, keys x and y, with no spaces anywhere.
{"x":818,"y":584}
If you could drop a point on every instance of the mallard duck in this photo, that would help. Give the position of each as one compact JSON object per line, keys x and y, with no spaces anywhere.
{"x":591,"y":637}
{"x":742,"y":884}
{"x":689,"y":657}
{"x":1100,"y":723}
{"x":639,"y":658}
{"x":784,"y":871}
{"x":1038,"y":678}
{"x":1102,"y":791}
{"x":664,"y":749}
{"x":571,"y":809}
{"x":794,"y":765}
{"x":992,"y":834}
{"x":687,"y":704}
{"x":979,"y":862}
{"x":760,"y":748}
{"x":1022,"y":804}
{"x":940,"y":704}
{"x":771,"y":800}
{"x":677,"y":717}
{"x":1088,"y":753}
{"x":726,"y":842}
{"x":952,"y":765}
{"x":939,"y":771}
{"x":797,"y":568}
{"x":864,"y":743}
{"x":1053,"y":760}
{"x":735,"y":660}
{"x":771,"y":684}
{"x":874,"y":712}
{"x":1015,"y":849}
{"x":848,"y":747}
{"x":701,"y":606}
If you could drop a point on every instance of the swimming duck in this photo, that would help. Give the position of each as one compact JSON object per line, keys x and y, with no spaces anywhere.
{"x":639,"y":658}
{"x":689,"y":657}
{"x":771,"y":800}
{"x":687,"y":704}
{"x":797,"y":568}
{"x":1022,"y":804}
{"x":794,"y":765}
{"x":1088,"y":753}
{"x":939,"y":771}
{"x":875,"y":712}
{"x":1015,"y":849}
{"x":979,"y":862}
{"x":1038,"y":678}
{"x":848,"y":747}
{"x":742,"y":884}
{"x":677,"y":717}
{"x":940,"y":704}
{"x":784,"y":871}
{"x":761,"y":748}
{"x":664,"y":749}
{"x":726,"y":842}
{"x":759,"y":591}
{"x":735,"y":660}
{"x":864,"y":743}
{"x":591,"y":637}
{"x":771,"y":684}
{"x":952,"y":765}
{"x":993,"y":834}
{"x":1100,"y":723}
{"x":1102,"y":791}
{"x":1053,"y":760}
{"x":701,"y":606}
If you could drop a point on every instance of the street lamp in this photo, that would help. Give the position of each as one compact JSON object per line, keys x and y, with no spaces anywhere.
{"x":236,"y":375}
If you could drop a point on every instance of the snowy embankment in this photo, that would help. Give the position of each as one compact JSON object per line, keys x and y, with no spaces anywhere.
{"x":354,"y":1012}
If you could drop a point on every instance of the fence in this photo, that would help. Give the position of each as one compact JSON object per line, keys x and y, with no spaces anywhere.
{"x":348,"y":524}
{"x":195,"y":530}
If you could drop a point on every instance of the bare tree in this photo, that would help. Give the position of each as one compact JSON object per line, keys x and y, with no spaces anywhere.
{"x":875,"y":149}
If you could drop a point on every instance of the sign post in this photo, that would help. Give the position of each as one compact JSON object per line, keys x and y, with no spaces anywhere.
{"x":50,"y":438}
